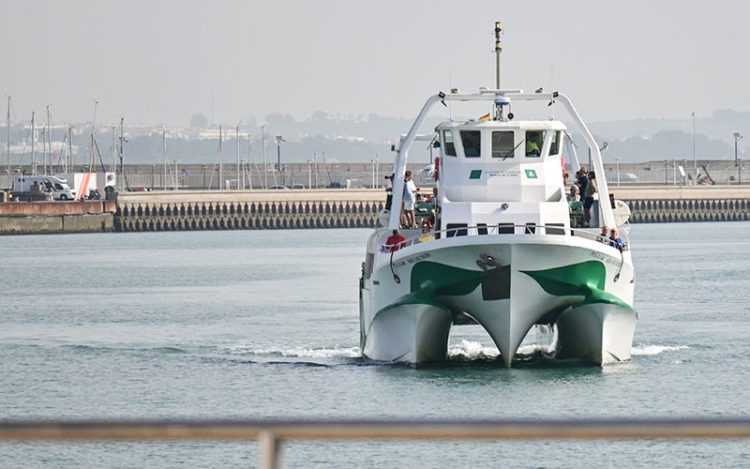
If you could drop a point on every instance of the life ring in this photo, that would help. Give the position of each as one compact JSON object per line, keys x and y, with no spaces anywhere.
{"x":436,"y":169}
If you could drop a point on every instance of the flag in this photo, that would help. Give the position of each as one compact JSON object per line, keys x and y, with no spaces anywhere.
{"x":485,"y":118}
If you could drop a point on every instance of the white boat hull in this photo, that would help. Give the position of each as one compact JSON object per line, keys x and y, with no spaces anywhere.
{"x":507,"y":284}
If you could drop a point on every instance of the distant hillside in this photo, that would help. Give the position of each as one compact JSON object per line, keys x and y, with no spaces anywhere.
{"x":364,"y":138}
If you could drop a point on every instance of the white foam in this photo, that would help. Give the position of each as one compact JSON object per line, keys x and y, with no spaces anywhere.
{"x":350,"y":352}
{"x":656,"y":349}
{"x":471,"y":350}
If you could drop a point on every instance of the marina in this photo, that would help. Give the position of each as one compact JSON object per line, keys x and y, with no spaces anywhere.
{"x":326,"y":235}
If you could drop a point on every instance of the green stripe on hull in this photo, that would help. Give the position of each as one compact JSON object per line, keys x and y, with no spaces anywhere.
{"x":585,"y":279}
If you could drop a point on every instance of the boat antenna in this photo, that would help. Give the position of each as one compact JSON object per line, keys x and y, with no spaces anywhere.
{"x":500,"y":101}
{"x":498,"y":50}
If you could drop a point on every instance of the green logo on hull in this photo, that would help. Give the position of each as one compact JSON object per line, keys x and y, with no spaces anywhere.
{"x":586,"y":279}
{"x":531,"y":173}
{"x":475,"y":174}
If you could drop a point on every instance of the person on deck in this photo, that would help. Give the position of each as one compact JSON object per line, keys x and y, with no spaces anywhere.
{"x":395,"y":242}
{"x":575,"y":207}
{"x":410,"y":190}
{"x":614,"y":240}
{"x":588,"y":200}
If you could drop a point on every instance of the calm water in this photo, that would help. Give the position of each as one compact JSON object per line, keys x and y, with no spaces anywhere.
{"x":264,"y":324}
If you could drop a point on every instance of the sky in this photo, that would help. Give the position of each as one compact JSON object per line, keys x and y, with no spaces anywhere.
{"x":163,"y":61}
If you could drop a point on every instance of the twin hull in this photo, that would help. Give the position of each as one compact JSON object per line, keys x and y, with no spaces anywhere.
{"x":507,"y":285}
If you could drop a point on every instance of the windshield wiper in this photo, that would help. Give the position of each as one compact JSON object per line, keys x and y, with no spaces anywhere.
{"x":507,"y":155}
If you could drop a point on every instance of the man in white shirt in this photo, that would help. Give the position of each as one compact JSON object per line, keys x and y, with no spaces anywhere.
{"x":410,"y":190}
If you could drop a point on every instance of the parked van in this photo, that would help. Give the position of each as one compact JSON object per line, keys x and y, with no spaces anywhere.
{"x":54,"y":186}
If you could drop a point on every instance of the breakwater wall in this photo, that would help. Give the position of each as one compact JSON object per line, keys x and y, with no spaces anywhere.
{"x":257,"y":210}
{"x":56,"y":217}
{"x":349,"y":209}
{"x":246,"y":215}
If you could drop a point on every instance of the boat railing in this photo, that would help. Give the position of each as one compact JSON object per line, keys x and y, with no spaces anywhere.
{"x":271,"y":434}
{"x":501,"y":229}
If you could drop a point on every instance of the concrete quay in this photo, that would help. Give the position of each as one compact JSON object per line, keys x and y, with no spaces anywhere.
{"x":56,"y":217}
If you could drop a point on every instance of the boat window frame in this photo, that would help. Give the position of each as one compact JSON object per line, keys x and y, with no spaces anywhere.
{"x":510,"y":151}
{"x":479,"y":142}
{"x":555,"y":139}
{"x":448,"y":146}
{"x":541,"y":146}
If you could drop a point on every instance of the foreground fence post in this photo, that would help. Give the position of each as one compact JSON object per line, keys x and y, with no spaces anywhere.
{"x":269,"y":448}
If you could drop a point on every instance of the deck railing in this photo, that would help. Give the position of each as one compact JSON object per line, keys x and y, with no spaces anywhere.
{"x":501,"y":229}
{"x":272,"y":433}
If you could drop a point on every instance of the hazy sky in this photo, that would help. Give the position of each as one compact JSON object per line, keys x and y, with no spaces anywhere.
{"x":162,"y":61}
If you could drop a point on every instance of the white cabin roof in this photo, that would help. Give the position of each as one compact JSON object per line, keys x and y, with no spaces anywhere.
{"x":513,"y":125}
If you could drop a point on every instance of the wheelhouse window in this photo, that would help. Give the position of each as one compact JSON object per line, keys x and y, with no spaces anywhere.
{"x":502,"y":144}
{"x":534,"y":143}
{"x":472,"y":141}
{"x":450,"y":147}
{"x":554,"y":148}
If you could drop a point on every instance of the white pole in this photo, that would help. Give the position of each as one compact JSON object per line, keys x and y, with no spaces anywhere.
{"x":315,"y":163}
{"x":221,"y":159}
{"x":48,"y":143}
{"x":70,"y":150}
{"x":695,"y":157}
{"x":265,"y":161}
{"x":238,"y":157}
{"x":618,"y":170}
{"x":377,"y":170}
{"x":114,"y":150}
{"x":7,"y":136}
{"x":32,"y":142}
{"x":164,"y":154}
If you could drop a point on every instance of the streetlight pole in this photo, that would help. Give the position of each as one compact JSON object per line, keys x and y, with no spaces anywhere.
{"x":309,"y":174}
{"x":377,"y":169}
{"x":695,"y":157}
{"x":617,"y":160}
{"x":737,"y":136}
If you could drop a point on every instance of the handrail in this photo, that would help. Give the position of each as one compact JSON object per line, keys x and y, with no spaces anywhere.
{"x":578,"y":232}
{"x":271,"y":433}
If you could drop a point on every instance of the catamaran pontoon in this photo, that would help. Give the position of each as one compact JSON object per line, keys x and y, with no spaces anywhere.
{"x":502,"y":250}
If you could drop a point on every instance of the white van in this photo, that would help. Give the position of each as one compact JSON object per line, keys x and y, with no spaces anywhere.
{"x":56,"y":186}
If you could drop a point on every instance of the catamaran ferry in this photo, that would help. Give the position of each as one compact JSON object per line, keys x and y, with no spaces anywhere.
{"x":506,"y":251}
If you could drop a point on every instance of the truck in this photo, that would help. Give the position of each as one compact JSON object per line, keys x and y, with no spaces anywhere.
{"x":41,"y":188}
{"x":86,"y":184}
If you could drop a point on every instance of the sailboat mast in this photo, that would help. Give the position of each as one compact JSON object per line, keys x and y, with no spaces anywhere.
{"x":93,"y":133}
{"x":113,"y":165}
{"x":48,"y":143}
{"x":32,"y":142}
{"x":221,"y":159}
{"x":7,"y":136}
{"x":263,"y":149}
{"x":70,"y":150}
{"x":164,"y":154}
{"x":238,"y":156}
{"x":120,"y":152}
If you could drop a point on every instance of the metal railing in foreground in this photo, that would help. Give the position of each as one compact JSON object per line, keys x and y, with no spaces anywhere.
{"x":271,"y":433}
